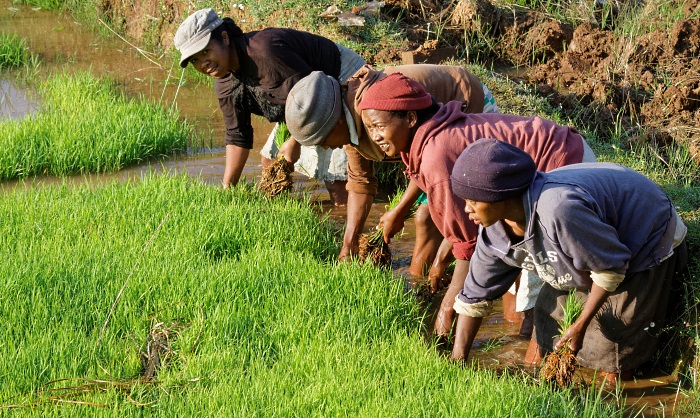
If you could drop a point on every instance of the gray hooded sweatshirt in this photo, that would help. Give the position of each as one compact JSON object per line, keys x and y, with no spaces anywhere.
{"x":579,"y":218}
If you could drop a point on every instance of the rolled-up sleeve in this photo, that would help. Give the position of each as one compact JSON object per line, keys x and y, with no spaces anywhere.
{"x":489,"y":277}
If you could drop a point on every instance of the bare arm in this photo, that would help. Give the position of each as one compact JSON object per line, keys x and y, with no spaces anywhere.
{"x":466,"y":329}
{"x":235,"y":161}
{"x":357,"y":209}
{"x":443,"y":258}
{"x":393,"y":220}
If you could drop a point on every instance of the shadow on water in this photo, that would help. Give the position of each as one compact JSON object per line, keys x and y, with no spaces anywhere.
{"x":63,"y":43}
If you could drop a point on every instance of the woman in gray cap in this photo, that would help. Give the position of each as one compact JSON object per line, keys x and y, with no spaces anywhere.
{"x":600,"y":228}
{"x":254,"y":72}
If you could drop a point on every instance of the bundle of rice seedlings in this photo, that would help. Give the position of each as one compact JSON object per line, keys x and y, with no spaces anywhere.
{"x":277,"y":177}
{"x":372,"y":245}
{"x":559,"y":366}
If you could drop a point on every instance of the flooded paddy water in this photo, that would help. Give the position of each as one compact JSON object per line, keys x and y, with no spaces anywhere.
{"x":62,"y":43}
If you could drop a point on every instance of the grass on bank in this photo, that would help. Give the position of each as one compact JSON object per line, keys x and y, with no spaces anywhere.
{"x":265,"y":323}
{"x":86,"y":125}
{"x":376,"y":35}
{"x":621,"y":16}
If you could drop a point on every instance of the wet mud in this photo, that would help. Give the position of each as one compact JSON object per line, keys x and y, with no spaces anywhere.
{"x":498,"y":345}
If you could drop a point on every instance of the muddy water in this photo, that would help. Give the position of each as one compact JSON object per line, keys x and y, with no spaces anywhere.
{"x":63,"y":43}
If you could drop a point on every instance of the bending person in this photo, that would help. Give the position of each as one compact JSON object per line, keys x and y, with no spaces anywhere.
{"x":254,"y":73}
{"x":404,"y":120}
{"x":322,"y":112}
{"x":603,"y":229}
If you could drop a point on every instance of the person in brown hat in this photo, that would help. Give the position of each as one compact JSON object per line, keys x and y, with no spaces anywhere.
{"x":254,"y":73}
{"x":403,"y":120}
{"x":322,"y":112}
{"x":601,"y":229}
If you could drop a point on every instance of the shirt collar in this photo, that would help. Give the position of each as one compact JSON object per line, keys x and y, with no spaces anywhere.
{"x":352,"y":130}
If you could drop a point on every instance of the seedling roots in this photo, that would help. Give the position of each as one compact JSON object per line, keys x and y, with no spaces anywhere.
{"x":276,"y":178}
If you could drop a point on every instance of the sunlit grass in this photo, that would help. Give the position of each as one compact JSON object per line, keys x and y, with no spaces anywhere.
{"x":269,"y":324}
{"x":13,"y":51}
{"x":86,"y":125}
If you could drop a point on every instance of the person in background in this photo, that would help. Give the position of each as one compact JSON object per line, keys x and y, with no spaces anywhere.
{"x":254,"y":72}
{"x":404,"y":120}
{"x":322,"y":112}
{"x":602,"y":229}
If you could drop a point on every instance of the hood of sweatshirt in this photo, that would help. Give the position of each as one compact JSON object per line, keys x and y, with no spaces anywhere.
{"x":447,"y":114}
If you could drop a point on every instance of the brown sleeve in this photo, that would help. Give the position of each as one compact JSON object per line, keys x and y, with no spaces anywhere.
{"x":361,"y":177}
{"x":475,"y":104}
{"x":446,"y":83}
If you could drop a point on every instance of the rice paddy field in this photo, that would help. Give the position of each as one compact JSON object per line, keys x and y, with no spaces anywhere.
{"x":86,"y":125}
{"x":169,"y":296}
{"x":166,"y":296}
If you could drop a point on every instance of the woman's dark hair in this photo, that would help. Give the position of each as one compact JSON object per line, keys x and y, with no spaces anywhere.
{"x":422,"y":115}
{"x":229,"y":26}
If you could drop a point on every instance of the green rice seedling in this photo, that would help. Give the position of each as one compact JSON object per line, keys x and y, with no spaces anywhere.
{"x":572,"y":310}
{"x":559,"y":366}
{"x":86,"y":125}
{"x":372,"y":245}
{"x":281,"y":134}
{"x":13,"y":51}
{"x":492,"y":344}
{"x":249,"y":316}
{"x":46,"y":4}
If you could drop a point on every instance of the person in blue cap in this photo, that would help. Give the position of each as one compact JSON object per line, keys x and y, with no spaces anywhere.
{"x":600,"y":228}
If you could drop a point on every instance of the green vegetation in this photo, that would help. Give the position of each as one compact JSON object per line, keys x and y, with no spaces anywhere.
{"x":634,"y":18}
{"x":13,"y":51}
{"x":86,"y":125}
{"x":573,"y":306}
{"x":376,"y":34}
{"x":261,"y":320}
{"x":281,"y":134}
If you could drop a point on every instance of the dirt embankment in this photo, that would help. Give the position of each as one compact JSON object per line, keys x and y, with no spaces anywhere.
{"x":647,"y":86}
{"x":153,"y":23}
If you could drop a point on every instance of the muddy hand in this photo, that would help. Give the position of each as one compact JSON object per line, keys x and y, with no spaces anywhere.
{"x":291,"y":150}
{"x":348,"y":252}
{"x":572,"y":336}
{"x":391,"y":223}
{"x":436,"y":278}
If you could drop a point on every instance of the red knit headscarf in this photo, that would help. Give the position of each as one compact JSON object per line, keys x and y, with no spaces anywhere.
{"x":396,"y":92}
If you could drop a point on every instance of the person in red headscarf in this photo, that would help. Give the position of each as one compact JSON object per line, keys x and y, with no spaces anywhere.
{"x":404,"y":120}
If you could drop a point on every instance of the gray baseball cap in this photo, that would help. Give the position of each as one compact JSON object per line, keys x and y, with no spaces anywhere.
{"x":313,"y":108}
{"x":194,"y":33}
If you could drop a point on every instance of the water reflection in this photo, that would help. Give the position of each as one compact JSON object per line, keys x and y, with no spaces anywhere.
{"x":14,"y":102}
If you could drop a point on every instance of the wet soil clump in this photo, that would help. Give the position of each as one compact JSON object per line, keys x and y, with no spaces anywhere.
{"x":276,"y":178}
{"x":559,"y":367}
